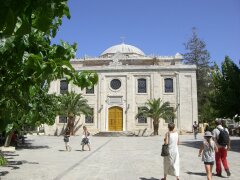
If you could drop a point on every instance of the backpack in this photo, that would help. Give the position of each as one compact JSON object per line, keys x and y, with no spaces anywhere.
{"x":223,"y":138}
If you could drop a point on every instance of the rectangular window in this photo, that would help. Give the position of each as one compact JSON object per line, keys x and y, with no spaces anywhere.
{"x":89,"y":119}
{"x":142,"y":86}
{"x":90,"y":90}
{"x":141,"y":119}
{"x":63,"y":86}
{"x":62,"y":119}
{"x":168,"y":83}
{"x":170,"y":119}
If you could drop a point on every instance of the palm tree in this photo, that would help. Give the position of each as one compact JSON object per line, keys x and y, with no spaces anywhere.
{"x":71,"y":105}
{"x":156,"y":109}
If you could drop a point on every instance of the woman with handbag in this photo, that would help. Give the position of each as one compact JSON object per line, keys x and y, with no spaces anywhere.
{"x":85,"y":138}
{"x":171,"y":161}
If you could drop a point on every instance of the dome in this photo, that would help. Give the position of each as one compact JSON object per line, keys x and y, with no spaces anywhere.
{"x":122,"y":49}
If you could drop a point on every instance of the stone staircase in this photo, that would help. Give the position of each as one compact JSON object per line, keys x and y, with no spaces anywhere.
{"x":114,"y":134}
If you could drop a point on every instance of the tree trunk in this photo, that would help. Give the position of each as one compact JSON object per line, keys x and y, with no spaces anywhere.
{"x":155,"y":127}
{"x":70,"y":124}
{"x":8,"y":139}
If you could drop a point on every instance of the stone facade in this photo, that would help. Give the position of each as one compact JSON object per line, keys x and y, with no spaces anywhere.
{"x":127,"y":79}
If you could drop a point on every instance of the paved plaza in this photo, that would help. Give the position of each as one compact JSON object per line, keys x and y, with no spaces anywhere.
{"x":111,"y":158}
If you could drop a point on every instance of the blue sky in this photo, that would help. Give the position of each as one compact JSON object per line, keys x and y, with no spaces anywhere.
{"x":158,"y":27}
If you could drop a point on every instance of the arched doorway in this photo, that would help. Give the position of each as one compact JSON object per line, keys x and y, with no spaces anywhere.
{"x":115,"y":119}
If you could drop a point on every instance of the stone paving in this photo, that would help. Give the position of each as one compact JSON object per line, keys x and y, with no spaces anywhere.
{"x":111,"y":158}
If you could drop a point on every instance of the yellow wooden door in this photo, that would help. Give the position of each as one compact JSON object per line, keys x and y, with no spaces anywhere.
{"x":115,"y":119}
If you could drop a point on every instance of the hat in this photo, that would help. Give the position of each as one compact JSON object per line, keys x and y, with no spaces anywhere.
{"x":207,"y":134}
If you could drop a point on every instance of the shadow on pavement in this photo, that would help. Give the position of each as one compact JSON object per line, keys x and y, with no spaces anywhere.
{"x":196,"y":173}
{"x":61,"y":150}
{"x":193,"y":144}
{"x":3,"y":173}
{"x":196,"y":144}
{"x":235,"y":145}
{"x":13,"y":164}
{"x":10,"y":154}
{"x":29,"y":146}
{"x":152,"y":178}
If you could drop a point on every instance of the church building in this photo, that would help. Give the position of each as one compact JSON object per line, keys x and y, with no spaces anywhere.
{"x":127,"y":79}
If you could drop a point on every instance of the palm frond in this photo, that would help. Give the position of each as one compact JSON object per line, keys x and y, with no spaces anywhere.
{"x":156,"y":109}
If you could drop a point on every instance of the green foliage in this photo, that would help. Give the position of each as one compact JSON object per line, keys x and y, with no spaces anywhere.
{"x":208,"y":113}
{"x":72,"y":104}
{"x":20,"y":16}
{"x":226,"y":95}
{"x":29,"y":62}
{"x":3,"y":161}
{"x":198,"y":55}
{"x":156,"y":109}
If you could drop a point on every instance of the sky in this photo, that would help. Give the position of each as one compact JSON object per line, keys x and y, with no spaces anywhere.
{"x":157,"y":27}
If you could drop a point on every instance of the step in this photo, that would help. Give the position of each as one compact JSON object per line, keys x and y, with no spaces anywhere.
{"x":114,"y":134}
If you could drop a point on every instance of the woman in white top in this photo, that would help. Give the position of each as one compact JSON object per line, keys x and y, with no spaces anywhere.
{"x":85,"y":138}
{"x":171,"y":162}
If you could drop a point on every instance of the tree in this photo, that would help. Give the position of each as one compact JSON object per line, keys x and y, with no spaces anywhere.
{"x":198,"y":55}
{"x":29,"y":62}
{"x":71,"y":105}
{"x":156,"y":109}
{"x":226,"y":95}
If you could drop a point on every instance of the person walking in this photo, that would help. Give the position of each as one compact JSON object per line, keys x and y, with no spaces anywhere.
{"x":66,"y":139}
{"x":171,"y":162}
{"x":195,"y":129}
{"x":221,"y":138}
{"x":85,"y":138}
{"x":207,"y":151}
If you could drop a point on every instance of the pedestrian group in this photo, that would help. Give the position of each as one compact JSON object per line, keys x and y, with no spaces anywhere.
{"x":85,"y":139}
{"x":213,"y":149}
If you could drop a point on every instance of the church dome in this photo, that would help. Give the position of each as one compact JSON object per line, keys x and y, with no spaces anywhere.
{"x":122,"y":49}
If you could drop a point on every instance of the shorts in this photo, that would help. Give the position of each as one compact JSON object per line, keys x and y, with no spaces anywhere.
{"x":209,"y":163}
{"x":85,"y":141}
{"x":66,"y":139}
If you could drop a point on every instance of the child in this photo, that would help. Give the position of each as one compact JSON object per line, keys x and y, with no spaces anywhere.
{"x":66,"y":139}
{"x":85,"y":138}
{"x":208,"y":155}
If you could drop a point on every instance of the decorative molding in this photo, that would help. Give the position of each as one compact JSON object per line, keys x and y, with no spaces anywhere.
{"x":115,"y":61}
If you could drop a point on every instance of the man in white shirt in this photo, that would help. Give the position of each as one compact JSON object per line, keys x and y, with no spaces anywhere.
{"x":221,"y":138}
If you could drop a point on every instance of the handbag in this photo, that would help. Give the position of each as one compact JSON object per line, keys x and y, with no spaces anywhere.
{"x":165,"y":149}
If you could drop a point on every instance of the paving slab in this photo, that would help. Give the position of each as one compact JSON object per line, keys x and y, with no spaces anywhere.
{"x":111,"y":158}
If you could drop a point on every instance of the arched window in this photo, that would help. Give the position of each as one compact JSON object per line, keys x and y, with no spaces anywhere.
{"x":168,"y":83}
{"x":142,"y":85}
